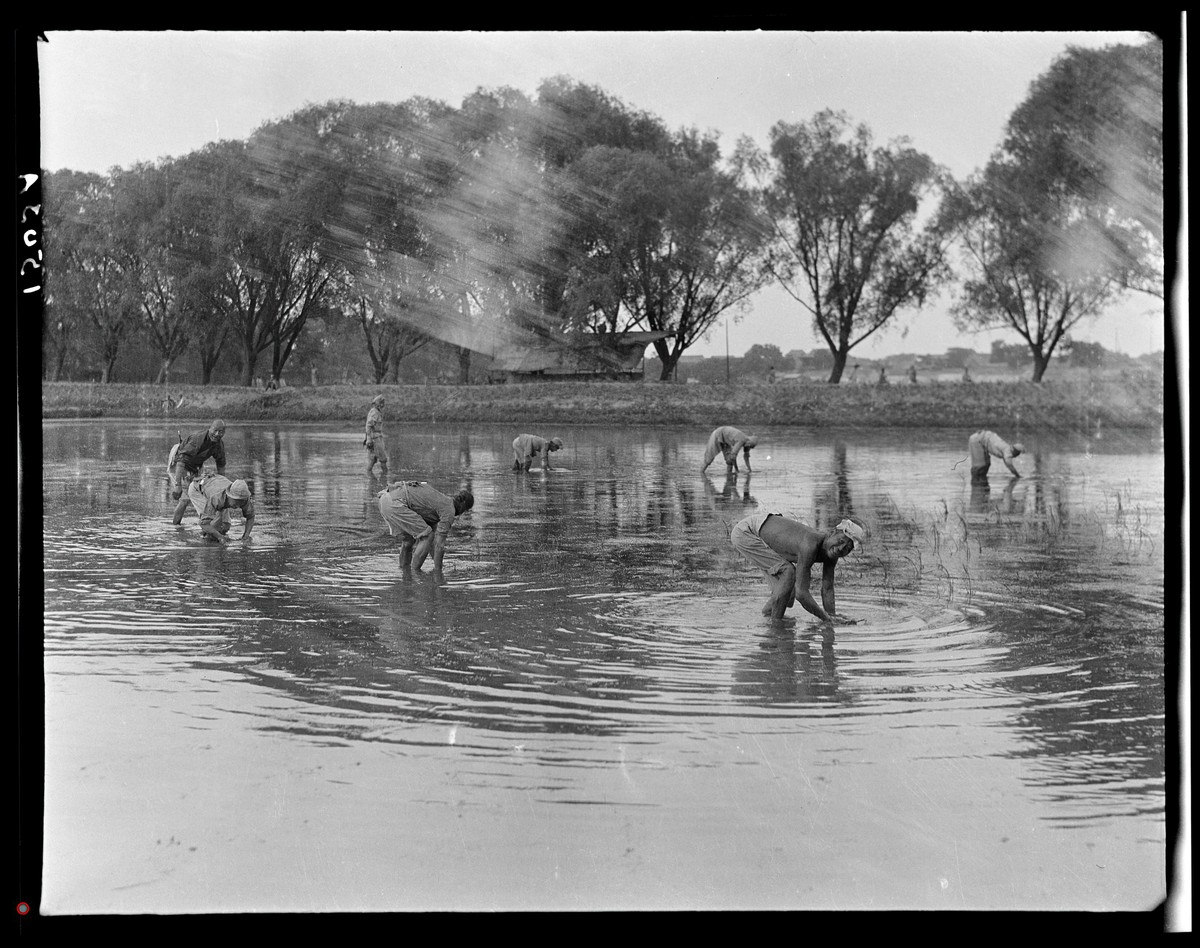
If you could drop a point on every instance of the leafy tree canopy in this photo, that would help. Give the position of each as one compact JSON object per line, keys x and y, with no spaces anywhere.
{"x":1064,"y":218}
{"x":1091,"y":129}
{"x":843,"y":214}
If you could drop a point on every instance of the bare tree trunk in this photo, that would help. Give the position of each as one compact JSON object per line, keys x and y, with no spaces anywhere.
{"x":464,"y":354}
{"x":668,"y":358}
{"x":249,"y":361}
{"x":839,"y":366}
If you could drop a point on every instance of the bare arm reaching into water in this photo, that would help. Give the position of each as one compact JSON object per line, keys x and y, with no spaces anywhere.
{"x":827,"y":598}
{"x":248,"y":513}
{"x":804,"y":595}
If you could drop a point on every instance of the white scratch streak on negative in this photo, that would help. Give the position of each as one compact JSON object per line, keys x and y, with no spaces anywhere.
{"x":624,"y":769}
{"x":958,"y":866}
{"x":764,"y":757}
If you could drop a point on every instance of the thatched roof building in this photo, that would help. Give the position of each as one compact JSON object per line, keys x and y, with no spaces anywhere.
{"x":576,"y":356}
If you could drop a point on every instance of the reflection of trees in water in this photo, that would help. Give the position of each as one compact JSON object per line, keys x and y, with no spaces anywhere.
{"x":831,"y":499}
{"x":728,"y":501}
{"x":616,"y":505}
{"x":831,"y":503}
{"x":1015,"y":536}
{"x":670,"y":503}
{"x":960,"y":545}
{"x":97,"y":492}
{"x":650,"y":530}
{"x":785,"y":667}
{"x":661,"y":511}
{"x":277,"y":465}
{"x":709,"y":517}
{"x":606,"y":499}
{"x":893,"y":559}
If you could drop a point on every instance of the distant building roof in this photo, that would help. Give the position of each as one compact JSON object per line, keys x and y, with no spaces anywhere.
{"x":579,"y":354}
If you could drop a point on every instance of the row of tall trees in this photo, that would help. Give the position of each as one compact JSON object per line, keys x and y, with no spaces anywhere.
{"x":1068,"y":215}
{"x":504,"y":222}
{"x":512,"y":221}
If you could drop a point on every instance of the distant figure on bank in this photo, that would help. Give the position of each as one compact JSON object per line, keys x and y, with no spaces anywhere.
{"x":785,"y":550}
{"x":984,"y":445}
{"x":186,"y":458}
{"x":882,"y":376}
{"x":373,"y":439}
{"x":213,"y":496}
{"x":912,"y":374}
{"x":966,"y":373}
{"x":728,"y":440}
{"x":422,"y":518}
{"x":526,"y":447}
{"x":771,"y":375}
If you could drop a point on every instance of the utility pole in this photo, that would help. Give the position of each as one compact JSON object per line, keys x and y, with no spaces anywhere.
{"x":726,"y":350}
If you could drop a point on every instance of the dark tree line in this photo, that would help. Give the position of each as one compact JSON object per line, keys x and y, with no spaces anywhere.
{"x":516,"y":221}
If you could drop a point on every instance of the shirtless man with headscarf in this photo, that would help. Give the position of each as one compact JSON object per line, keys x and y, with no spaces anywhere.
{"x":785,"y":550}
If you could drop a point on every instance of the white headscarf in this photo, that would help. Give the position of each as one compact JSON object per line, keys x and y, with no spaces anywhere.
{"x":854,"y":532}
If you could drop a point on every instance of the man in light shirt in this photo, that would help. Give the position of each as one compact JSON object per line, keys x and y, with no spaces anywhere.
{"x":526,"y":447}
{"x":213,"y":496}
{"x":728,"y":440}
{"x":983,"y":446}
{"x":373,"y":438}
{"x":422,"y":518}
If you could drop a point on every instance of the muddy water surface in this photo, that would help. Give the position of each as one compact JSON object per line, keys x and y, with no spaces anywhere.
{"x":586,"y":709}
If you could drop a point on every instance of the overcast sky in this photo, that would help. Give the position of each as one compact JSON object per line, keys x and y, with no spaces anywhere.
{"x":115,"y":98}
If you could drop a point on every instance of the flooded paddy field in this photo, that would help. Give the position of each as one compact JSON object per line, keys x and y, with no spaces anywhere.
{"x":587,"y":709}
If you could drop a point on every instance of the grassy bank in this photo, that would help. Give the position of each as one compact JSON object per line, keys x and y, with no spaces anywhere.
{"x":1121,"y":401}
